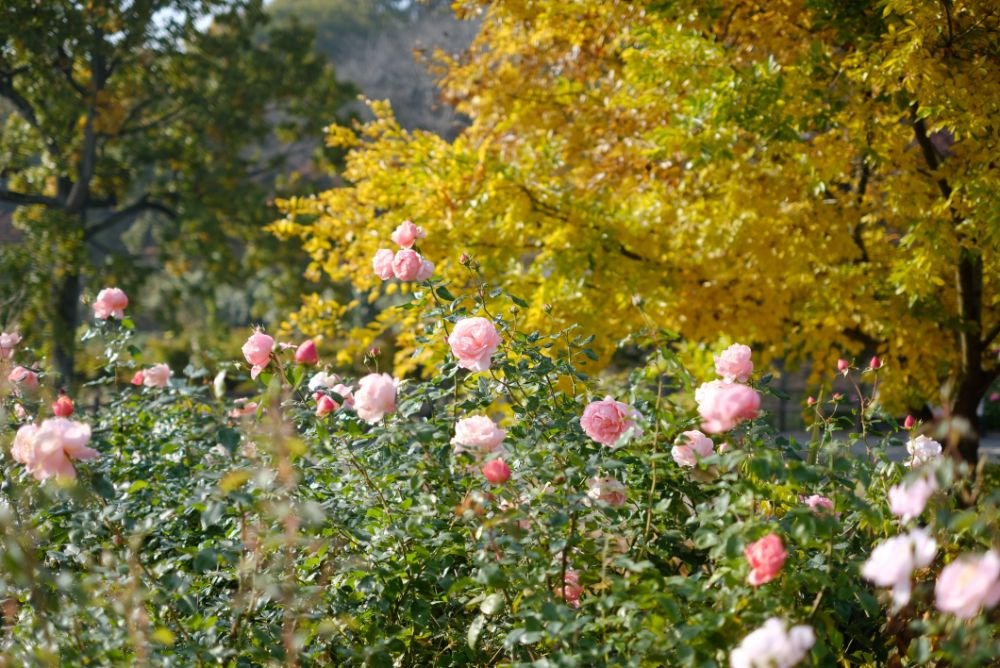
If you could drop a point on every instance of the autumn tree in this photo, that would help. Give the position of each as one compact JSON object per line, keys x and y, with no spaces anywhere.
{"x":818,"y":178}
{"x":165,"y":119}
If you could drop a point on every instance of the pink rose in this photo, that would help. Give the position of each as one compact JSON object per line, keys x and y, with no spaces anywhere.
{"x":257,"y":351}
{"x":375,"y":397}
{"x":876,"y":363}
{"x":110,"y":303}
{"x":571,"y":590}
{"x":138,"y":378}
{"x":306,"y":353}
{"x":324,"y":404}
{"x":426,"y":270}
{"x":609,"y":490}
{"x":922,"y":449}
{"x":26,"y":378}
{"x":697,"y":446}
{"x":724,"y":405}
{"x":908,"y":500}
{"x":382,"y":263}
{"x":766,"y":556}
{"x":608,"y":421}
{"x":21,"y":449}
{"x":243,"y":408}
{"x":734,"y":363}
{"x":817,"y":503}
{"x":969,"y":583}
{"x":893,"y":561}
{"x":63,"y":406}
{"x":843,"y":366}
{"x":53,"y":445}
{"x":477,"y":434}
{"x":347,"y":394}
{"x":406,"y":265}
{"x":407,"y":234}
{"x":496,"y":471}
{"x":157,"y":375}
{"x":8,"y":342}
{"x":473,"y":342}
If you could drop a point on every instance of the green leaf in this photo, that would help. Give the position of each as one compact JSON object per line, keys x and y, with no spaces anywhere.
{"x":475,"y":628}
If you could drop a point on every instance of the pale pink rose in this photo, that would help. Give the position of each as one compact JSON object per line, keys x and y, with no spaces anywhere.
{"x":257,"y":351}
{"x":375,"y":397}
{"x":907,"y":500}
{"x":63,"y":406}
{"x":477,"y":434}
{"x":695,"y":446}
{"x":473,"y":342}
{"x":766,"y":556}
{"x":8,"y":342}
{"x":734,"y":363}
{"x":426,"y":270}
{"x":324,"y":404}
{"x":406,"y":265}
{"x":723,"y":448}
{"x":407,"y":234}
{"x":24,"y":378}
{"x":139,"y":378}
{"x":382,"y":263}
{"x":56,"y":442}
{"x":893,"y":561}
{"x":724,"y":405}
{"x":571,"y":589}
{"x":23,"y":444}
{"x":609,"y":490}
{"x":817,"y":503}
{"x":20,"y":413}
{"x":773,"y":645}
{"x":110,"y":303}
{"x":243,"y":408}
{"x":306,"y":353}
{"x":496,"y":471}
{"x":347,"y":394}
{"x":968,"y":584}
{"x":157,"y":375}
{"x":922,"y":449}
{"x":609,"y":421}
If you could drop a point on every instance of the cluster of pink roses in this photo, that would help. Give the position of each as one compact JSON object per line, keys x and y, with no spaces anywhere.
{"x":405,"y":264}
{"x":23,"y":378}
{"x":966,"y":585}
{"x":46,"y":450}
{"x":725,"y":403}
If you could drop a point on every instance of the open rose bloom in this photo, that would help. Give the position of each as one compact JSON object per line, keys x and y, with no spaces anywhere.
{"x":892,"y":562}
{"x":766,"y":557}
{"x":773,"y":645}
{"x":407,"y":234}
{"x":157,"y":375}
{"x":695,"y":446}
{"x":376,"y":397}
{"x":48,"y":449}
{"x":257,"y":352}
{"x":609,"y":490}
{"x":473,"y":341}
{"x":110,"y":303}
{"x":723,"y":405}
{"x":477,"y":434}
{"x":8,"y":342}
{"x":734,"y":364}
{"x":969,"y":584}
{"x":609,"y":421}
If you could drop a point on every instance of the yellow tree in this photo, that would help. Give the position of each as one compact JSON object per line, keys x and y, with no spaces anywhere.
{"x":818,"y":177}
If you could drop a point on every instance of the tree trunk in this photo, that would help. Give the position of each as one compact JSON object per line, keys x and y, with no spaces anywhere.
{"x":65,"y":320}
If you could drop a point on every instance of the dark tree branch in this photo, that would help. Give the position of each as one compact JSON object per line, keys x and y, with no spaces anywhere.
{"x":24,"y":198}
{"x":127,"y":214}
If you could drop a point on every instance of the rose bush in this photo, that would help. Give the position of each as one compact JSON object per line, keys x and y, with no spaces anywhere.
{"x":393,"y":522}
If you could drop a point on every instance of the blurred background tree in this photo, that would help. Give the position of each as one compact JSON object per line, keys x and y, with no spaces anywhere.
{"x":140,"y":142}
{"x":818,"y":178}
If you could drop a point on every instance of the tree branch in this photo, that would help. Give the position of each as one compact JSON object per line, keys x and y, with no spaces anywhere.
{"x":24,"y":198}
{"x":131,"y":211}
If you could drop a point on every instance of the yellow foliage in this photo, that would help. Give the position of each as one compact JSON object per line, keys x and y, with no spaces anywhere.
{"x":753,"y":170}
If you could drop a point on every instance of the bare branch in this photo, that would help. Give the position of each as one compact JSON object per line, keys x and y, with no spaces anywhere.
{"x":127,"y":214}
{"x":24,"y":198}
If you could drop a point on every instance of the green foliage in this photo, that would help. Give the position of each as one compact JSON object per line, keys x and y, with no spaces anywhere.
{"x":150,"y":135}
{"x":283,"y":538}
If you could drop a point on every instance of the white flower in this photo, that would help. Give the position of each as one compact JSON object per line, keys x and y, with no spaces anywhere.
{"x":891,"y":563}
{"x":323,"y":379}
{"x":772,"y":646}
{"x":923,"y":449}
